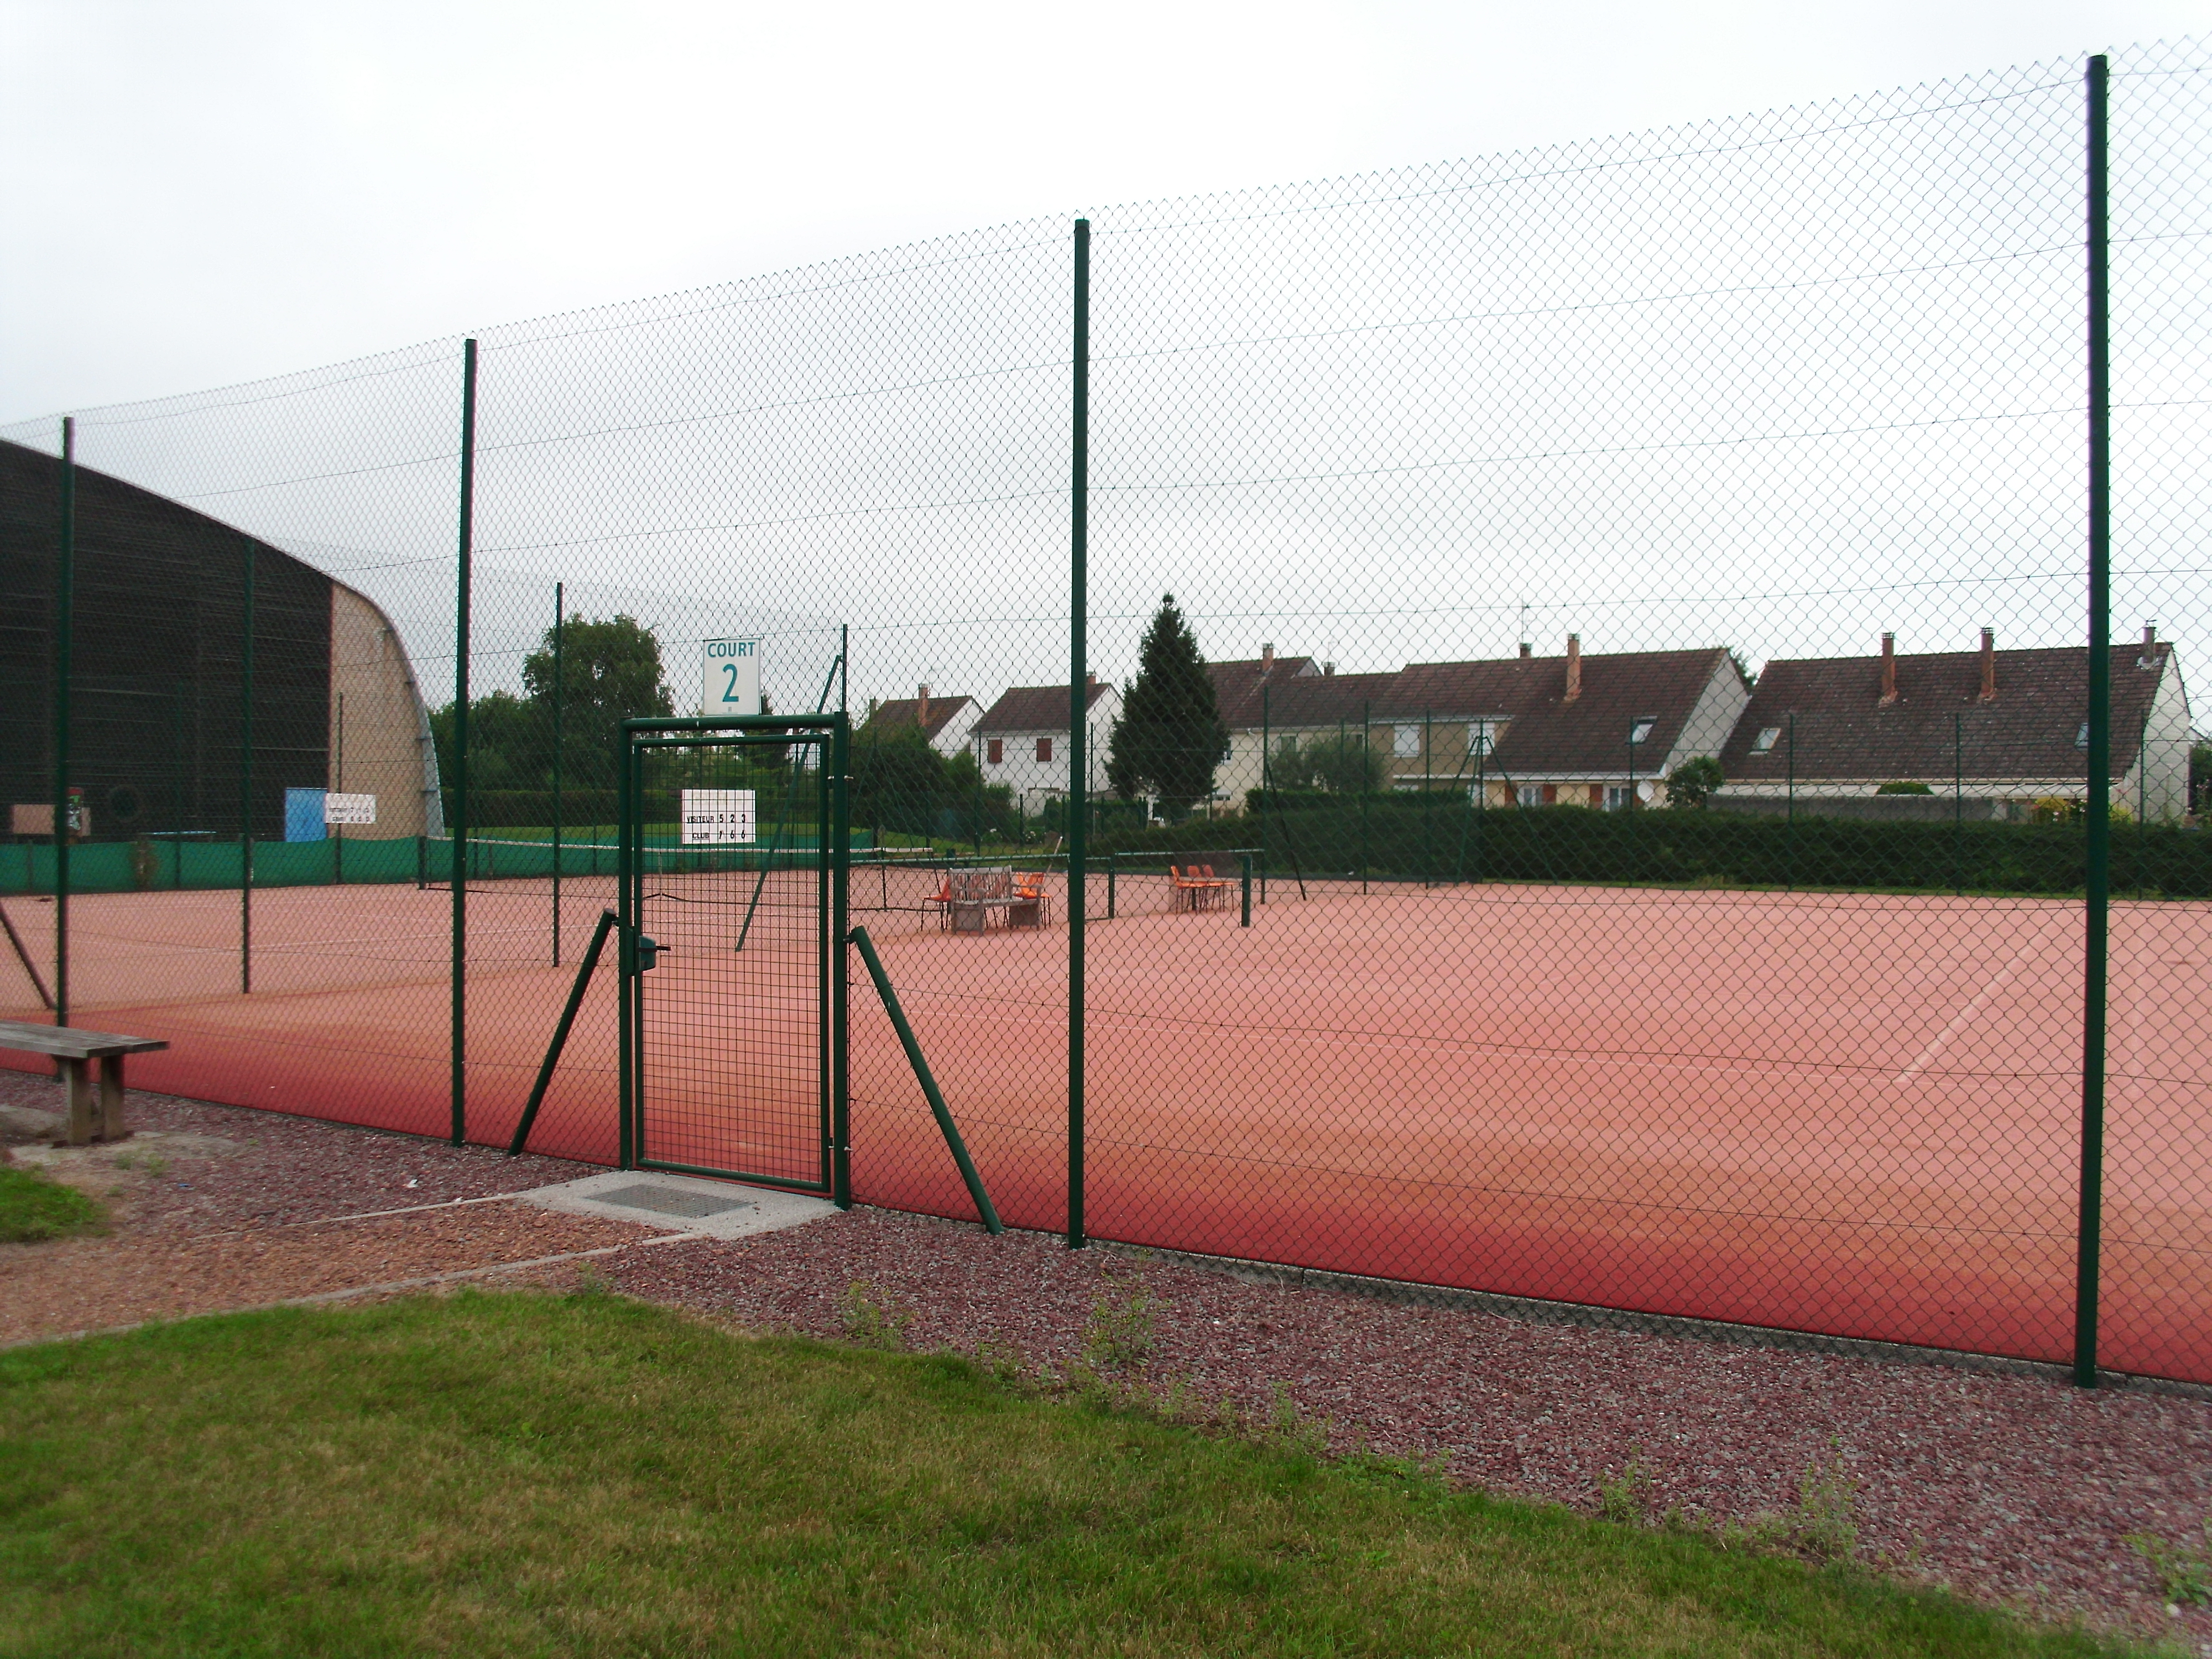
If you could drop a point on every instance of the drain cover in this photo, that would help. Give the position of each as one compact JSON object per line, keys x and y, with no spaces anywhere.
{"x":669,"y":1200}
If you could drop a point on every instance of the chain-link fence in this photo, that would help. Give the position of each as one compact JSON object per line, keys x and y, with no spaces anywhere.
{"x":1590,"y":789}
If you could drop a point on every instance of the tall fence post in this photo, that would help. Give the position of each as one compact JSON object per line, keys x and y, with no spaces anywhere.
{"x":245,"y":785}
{"x":1078,"y":716}
{"x":458,"y":1039}
{"x":2097,"y":897}
{"x":1267,"y":779}
{"x":559,"y":628}
{"x":338,"y":830}
{"x":64,"y":640}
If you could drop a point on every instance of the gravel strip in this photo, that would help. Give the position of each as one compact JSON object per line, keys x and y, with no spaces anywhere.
{"x":2005,"y":1488}
{"x":301,"y":1169}
{"x":92,"y":1284}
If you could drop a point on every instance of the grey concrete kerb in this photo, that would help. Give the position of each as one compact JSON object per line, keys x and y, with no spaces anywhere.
{"x":680,"y":1204}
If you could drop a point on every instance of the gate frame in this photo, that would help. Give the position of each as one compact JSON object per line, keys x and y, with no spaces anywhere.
{"x":832,"y":865}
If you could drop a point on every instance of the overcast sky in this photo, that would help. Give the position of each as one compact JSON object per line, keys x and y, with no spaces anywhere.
{"x":208,"y":192}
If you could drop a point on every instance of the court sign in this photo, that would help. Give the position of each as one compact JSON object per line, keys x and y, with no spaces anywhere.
{"x":348,"y":809}
{"x":718,"y":817}
{"x":730,"y":684}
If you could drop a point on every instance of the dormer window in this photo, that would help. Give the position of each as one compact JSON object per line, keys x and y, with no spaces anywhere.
{"x":2081,"y":737}
{"x":1764,"y":743}
{"x":1640,"y":731}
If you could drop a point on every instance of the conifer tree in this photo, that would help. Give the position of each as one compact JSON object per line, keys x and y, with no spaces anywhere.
{"x":1170,"y":735}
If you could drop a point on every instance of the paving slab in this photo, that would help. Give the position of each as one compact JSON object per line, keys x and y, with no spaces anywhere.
{"x":681,"y":1204}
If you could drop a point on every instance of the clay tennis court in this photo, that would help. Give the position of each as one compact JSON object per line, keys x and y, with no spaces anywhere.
{"x":1852,"y":1113}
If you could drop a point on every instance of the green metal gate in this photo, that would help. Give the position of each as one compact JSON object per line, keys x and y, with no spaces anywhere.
{"x":731,"y":911}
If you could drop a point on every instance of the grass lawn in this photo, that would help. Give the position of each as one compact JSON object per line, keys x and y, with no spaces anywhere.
{"x":33,"y":1207}
{"x":526,"y":1474}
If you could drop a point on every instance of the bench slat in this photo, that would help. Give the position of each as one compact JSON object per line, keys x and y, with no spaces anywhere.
{"x":68,"y":1043}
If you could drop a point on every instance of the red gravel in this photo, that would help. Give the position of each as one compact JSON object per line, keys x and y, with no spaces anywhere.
{"x":2006,"y":1488}
{"x":300,"y":1169}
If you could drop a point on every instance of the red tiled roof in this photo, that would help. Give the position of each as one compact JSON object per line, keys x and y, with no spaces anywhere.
{"x":907,"y":711}
{"x":1236,"y":684}
{"x":1035,"y":708}
{"x":1319,"y":700}
{"x":1939,"y":726}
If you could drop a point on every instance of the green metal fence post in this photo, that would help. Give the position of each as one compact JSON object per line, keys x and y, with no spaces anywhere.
{"x":65,"y":644}
{"x":841,"y":1079}
{"x":459,"y":1038}
{"x":1958,"y":805}
{"x":1245,"y":859}
{"x":1267,"y":779}
{"x":1078,"y":716}
{"x":560,"y":628}
{"x":245,"y":786}
{"x":1366,"y":787}
{"x":626,"y":1037}
{"x":1790,"y":811}
{"x":2097,"y":897}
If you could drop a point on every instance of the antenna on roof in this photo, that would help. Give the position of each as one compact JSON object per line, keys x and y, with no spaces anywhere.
{"x":1523,"y":635}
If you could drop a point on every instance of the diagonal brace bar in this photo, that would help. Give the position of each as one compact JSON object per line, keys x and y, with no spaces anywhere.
{"x":991,"y":1223}
{"x":561,"y":1032}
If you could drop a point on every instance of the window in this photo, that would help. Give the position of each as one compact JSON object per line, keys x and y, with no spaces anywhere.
{"x":1530,"y":794}
{"x":1616,"y":797}
{"x":1044,"y":748}
{"x":1482,"y":736}
{"x":998,"y":751}
{"x":1405,"y":741}
{"x":1764,"y":741}
{"x":2081,"y":737}
{"x":1641,"y":730}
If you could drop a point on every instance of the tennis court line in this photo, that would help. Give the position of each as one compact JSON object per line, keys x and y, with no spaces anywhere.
{"x":1972,"y":1010}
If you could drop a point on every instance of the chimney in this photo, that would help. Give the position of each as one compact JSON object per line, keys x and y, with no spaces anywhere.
{"x":1326,"y":669}
{"x":1888,"y":670}
{"x":921,"y":715}
{"x":1989,"y":665}
{"x":2149,"y":657}
{"x":1267,"y":657}
{"x":1527,"y":650}
{"x":1574,"y":666}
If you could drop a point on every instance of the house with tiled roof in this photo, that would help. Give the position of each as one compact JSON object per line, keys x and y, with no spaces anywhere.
{"x":1604,"y":731}
{"x":1243,"y":690}
{"x":945,"y":722}
{"x":1022,"y":740}
{"x":1999,"y":729}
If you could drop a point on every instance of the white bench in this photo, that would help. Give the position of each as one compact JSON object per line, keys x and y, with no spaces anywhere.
{"x":91,"y":1117}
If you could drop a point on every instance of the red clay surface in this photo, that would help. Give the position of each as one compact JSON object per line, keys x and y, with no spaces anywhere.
{"x":1852,"y":1114}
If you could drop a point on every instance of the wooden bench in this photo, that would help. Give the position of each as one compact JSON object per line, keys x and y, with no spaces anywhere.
{"x":90,"y":1117}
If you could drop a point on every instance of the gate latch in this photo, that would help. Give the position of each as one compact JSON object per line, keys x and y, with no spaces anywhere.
{"x":648,"y":954}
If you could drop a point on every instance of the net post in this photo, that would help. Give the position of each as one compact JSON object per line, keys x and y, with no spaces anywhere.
{"x":1245,"y":859}
{"x":1078,"y":714}
{"x":64,"y":642}
{"x":459,"y":828}
{"x":1267,"y":722}
{"x":2096,"y":903}
{"x":246,"y":784}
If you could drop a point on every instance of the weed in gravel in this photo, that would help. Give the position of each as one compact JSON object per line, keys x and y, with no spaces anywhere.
{"x":1824,"y":1526}
{"x":873,"y":1324}
{"x":2183,"y":1570}
{"x":35,"y":1207}
{"x":1625,"y":1498}
{"x":591,"y":1282}
{"x":1119,"y":1334}
{"x":1291,"y":1429}
{"x":1005,"y":1366}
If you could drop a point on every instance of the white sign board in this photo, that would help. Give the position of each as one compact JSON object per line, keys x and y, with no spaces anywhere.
{"x":731,"y":682}
{"x":348,"y":809}
{"x":718,"y":817}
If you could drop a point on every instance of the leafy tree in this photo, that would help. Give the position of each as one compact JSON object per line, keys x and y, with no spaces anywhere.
{"x":1903,"y":787}
{"x":1691,"y":783}
{"x":1339,"y":762}
{"x":1170,"y":735}
{"x":609,"y":672}
{"x":899,"y":782}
